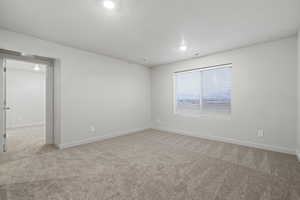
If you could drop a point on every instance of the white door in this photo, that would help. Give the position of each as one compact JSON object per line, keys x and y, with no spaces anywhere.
{"x":3,"y":108}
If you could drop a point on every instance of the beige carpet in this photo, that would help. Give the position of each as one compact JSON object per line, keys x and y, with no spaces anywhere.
{"x":24,"y":142}
{"x":151,"y":165}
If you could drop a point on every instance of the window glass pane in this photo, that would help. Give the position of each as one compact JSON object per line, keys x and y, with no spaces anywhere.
{"x":216,"y":94}
{"x":188,"y":88}
{"x":203,"y":91}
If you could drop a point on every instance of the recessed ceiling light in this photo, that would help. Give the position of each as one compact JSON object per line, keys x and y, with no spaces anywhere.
{"x":37,"y":67}
{"x":109,"y":4}
{"x":183,"y":47}
{"x":26,"y":54}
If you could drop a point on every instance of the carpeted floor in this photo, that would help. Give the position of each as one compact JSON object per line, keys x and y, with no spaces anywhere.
{"x":24,"y":142}
{"x":151,"y":165}
{"x":19,"y":139}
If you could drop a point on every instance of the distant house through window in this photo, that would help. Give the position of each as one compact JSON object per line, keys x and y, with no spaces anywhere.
{"x":206,"y":90}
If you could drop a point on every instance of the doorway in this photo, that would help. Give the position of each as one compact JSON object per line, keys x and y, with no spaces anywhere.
{"x":26,"y":95}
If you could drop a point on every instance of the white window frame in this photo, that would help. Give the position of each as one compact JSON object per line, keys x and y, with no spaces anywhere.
{"x":201,"y":114}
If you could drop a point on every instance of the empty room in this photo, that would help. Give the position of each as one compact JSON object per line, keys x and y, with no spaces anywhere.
{"x":149,"y":100}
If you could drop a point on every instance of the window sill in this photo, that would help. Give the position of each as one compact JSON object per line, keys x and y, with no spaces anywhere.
{"x":211,"y":115}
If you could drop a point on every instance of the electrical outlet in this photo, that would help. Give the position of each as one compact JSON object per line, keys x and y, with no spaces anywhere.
{"x":260,"y":133}
{"x":92,"y":129}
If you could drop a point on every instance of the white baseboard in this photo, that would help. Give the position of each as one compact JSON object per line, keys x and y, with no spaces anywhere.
{"x":99,"y":138}
{"x":26,"y":125}
{"x":182,"y":132}
{"x":230,"y":140}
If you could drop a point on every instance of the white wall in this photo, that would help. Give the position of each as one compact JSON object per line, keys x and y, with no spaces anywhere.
{"x":90,"y":89}
{"x":25,"y":97}
{"x":114,"y":96}
{"x":263,"y":96}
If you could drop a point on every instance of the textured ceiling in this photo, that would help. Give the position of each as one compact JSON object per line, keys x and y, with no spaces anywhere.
{"x":153,"y":29}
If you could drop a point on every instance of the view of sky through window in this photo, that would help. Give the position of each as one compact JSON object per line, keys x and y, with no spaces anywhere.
{"x":204,"y":90}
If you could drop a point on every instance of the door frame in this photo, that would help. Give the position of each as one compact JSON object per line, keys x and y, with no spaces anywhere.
{"x":49,"y":87}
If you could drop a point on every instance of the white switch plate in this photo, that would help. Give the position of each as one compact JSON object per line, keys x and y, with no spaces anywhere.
{"x":260,"y":133}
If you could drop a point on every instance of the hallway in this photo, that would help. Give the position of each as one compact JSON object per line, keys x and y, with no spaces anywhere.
{"x":25,"y":142}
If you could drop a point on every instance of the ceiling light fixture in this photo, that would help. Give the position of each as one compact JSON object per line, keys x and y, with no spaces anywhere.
{"x":183,"y":47}
{"x":109,"y":4}
{"x":37,"y":67}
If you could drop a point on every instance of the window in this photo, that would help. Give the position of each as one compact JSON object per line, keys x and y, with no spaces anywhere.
{"x":206,"y":90}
